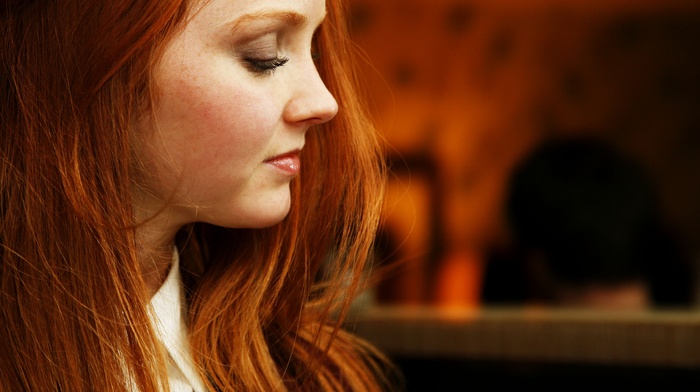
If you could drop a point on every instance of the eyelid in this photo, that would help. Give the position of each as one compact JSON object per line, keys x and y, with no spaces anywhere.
{"x":259,"y":47}
{"x":257,"y":43}
{"x":255,"y":38}
{"x":265,"y":66}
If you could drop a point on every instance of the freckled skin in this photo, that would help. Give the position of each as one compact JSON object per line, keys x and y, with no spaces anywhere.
{"x":218,"y":120}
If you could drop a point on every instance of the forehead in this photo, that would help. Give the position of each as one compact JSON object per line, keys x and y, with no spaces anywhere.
{"x":230,"y":11}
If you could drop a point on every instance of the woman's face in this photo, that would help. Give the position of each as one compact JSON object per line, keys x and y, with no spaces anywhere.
{"x":238,"y":91}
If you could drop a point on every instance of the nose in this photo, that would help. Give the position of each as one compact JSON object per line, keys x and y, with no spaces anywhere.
{"x":311,"y":103}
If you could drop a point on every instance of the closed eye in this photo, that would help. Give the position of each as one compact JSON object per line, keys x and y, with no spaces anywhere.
{"x":265,"y":66}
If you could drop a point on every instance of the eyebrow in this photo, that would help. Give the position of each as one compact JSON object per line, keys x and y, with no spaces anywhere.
{"x":290,"y":18}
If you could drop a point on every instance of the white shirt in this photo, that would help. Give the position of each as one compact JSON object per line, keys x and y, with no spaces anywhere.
{"x":168,"y":320}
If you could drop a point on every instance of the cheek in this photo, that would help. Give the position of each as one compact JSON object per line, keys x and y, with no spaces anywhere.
{"x":215,"y":125}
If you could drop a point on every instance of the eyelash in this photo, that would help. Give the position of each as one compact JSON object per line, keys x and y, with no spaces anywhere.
{"x":266,"y":66}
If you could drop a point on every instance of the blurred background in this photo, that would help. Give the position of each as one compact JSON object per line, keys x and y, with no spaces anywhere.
{"x":542,"y":152}
{"x":465,"y":90}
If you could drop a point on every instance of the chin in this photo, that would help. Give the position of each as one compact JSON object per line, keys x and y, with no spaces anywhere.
{"x":267,"y":221}
{"x":267,"y":214}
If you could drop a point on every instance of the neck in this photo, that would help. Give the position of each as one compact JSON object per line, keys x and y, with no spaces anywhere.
{"x":156,"y":240}
{"x":155,"y":265}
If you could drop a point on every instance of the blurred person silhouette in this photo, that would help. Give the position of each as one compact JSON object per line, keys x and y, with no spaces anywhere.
{"x":586,"y":232}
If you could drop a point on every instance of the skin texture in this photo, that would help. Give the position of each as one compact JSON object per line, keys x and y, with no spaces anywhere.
{"x":238,"y":87}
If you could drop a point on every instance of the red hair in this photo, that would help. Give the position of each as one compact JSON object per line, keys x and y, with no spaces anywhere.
{"x":75,"y":77}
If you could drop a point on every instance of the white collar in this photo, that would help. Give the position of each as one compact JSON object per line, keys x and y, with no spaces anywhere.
{"x":168,"y":320}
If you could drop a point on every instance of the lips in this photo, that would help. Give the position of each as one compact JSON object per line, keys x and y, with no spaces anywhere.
{"x":288,"y":162}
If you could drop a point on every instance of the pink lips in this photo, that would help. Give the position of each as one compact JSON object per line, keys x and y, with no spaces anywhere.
{"x":288,"y":163}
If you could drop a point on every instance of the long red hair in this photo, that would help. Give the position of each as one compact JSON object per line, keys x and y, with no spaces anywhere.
{"x":264,"y":305}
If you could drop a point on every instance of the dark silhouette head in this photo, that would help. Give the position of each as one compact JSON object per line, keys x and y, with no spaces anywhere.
{"x":587,"y":211}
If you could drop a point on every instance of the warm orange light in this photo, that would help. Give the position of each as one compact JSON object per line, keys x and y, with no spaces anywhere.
{"x":459,"y":280}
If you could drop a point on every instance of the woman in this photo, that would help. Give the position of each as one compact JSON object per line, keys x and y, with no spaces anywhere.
{"x":151,"y":145}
